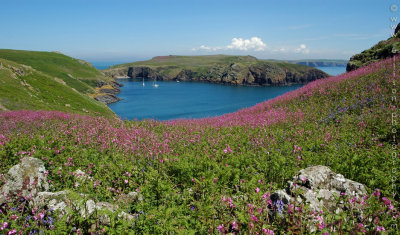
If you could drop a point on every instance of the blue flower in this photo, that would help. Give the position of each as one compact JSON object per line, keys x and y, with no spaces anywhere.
{"x":279,"y":206}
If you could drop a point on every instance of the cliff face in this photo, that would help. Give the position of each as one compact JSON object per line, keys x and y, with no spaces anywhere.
{"x":384,"y":49}
{"x":260,"y":73}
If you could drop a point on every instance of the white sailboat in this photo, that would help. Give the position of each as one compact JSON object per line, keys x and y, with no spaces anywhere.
{"x":143,"y":81}
{"x":154,"y":83}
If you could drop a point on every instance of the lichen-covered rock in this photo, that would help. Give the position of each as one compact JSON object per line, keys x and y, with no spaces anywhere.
{"x":52,"y":201}
{"x":319,"y":187}
{"x":26,"y":179}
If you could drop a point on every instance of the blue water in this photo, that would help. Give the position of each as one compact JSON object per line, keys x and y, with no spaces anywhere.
{"x":333,"y":70}
{"x":172,"y":100}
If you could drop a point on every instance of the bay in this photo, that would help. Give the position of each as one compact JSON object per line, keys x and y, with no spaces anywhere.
{"x":333,"y":71}
{"x":173,"y":100}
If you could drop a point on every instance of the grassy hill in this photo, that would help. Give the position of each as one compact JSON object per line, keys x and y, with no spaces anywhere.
{"x":237,"y":70}
{"x":48,"y":81}
{"x":216,"y":175}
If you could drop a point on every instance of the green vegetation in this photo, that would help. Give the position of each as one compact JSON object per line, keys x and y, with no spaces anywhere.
{"x":189,"y":62}
{"x":48,"y":81}
{"x":77,"y":74}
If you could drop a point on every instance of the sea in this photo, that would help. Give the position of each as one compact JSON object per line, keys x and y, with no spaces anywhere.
{"x":167,"y":100}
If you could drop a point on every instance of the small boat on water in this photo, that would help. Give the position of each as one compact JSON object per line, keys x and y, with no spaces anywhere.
{"x":154,"y":83}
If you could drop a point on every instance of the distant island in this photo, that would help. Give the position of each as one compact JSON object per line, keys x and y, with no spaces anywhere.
{"x":320,"y":62}
{"x":224,"y":69}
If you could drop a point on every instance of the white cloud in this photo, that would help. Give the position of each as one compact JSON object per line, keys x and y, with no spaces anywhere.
{"x":303,"y":49}
{"x":241,"y":44}
{"x":254,"y":43}
{"x":202,"y":47}
{"x":296,"y":27}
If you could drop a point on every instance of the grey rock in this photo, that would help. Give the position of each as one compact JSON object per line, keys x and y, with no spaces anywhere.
{"x":319,"y":187}
{"x":107,"y":98}
{"x":129,"y":198}
{"x":53,"y":201}
{"x":26,"y":179}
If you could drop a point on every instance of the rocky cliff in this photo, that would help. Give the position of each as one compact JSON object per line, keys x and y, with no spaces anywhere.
{"x":384,"y":49}
{"x":235,"y":70}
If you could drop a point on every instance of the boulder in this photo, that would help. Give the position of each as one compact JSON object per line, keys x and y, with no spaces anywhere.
{"x":319,"y":187}
{"x":26,"y":179}
{"x":129,"y":198}
{"x":107,"y":98}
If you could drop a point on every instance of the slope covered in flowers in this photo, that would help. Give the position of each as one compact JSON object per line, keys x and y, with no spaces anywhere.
{"x":216,"y":174}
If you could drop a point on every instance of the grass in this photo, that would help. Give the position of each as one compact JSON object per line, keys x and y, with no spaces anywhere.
{"x":76,"y":73}
{"x":216,"y":175}
{"x":50,"y":81}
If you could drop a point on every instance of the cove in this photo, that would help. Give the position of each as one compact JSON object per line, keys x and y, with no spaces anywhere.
{"x":173,"y":100}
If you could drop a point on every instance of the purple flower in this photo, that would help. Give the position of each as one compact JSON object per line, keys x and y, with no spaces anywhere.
{"x":12,"y":232}
{"x":279,"y":206}
{"x":221,"y":228}
{"x":5,"y":224}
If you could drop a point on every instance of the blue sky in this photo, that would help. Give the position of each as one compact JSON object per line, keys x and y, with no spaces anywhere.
{"x":117,"y":30}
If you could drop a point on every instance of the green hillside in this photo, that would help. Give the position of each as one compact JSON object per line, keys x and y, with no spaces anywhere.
{"x":48,"y":81}
{"x":381,"y":50}
{"x":191,"y":61}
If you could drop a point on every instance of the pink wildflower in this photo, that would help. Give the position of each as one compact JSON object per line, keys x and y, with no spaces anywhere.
{"x":235,"y":225}
{"x":221,"y":228}
{"x":257,"y":190}
{"x":5,"y":224}
{"x":267,"y":231}
{"x":12,"y":232}
{"x":378,"y":228}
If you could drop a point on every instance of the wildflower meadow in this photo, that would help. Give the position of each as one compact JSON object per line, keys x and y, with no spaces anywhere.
{"x":216,"y":175}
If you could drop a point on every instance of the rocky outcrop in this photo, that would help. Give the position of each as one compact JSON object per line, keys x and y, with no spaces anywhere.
{"x":382,"y":50}
{"x":116,"y":72}
{"x":319,"y":187}
{"x":106,"y":91}
{"x":107,"y":98}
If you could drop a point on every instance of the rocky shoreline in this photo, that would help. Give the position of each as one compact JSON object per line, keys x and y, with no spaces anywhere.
{"x":106,"y":92}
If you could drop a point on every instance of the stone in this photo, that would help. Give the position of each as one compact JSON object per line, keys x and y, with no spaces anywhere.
{"x":107,"y":98}
{"x":80,"y":176}
{"x":319,"y":187}
{"x":129,"y":198}
{"x":52,"y":201}
{"x":25,"y":179}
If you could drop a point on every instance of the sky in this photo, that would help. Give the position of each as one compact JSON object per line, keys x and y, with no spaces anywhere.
{"x":125,"y":31}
